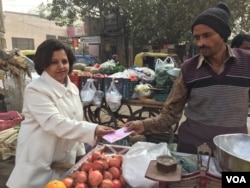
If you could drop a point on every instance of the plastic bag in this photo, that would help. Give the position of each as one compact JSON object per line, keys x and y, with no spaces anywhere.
{"x":97,"y":101}
{"x":113,"y":97}
{"x":159,"y":63}
{"x":166,"y":63}
{"x":169,"y":62}
{"x":161,"y":71}
{"x":136,"y":162}
{"x":148,"y":75}
{"x":88,"y":92}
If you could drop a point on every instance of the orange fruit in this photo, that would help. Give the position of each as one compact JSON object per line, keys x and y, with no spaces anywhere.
{"x":55,"y":184}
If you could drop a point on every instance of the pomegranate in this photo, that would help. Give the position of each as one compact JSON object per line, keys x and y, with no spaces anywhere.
{"x":103,"y":156}
{"x":96,"y":155}
{"x":86,"y":165}
{"x":68,"y":181}
{"x":107,"y":175}
{"x":115,"y":172}
{"x":95,"y":178}
{"x":81,"y":185}
{"x":119,"y":156}
{"x":117,"y":183}
{"x":105,"y":163}
{"x":106,"y":183}
{"x":73,"y":175}
{"x":98,"y":165}
{"x":89,"y":159}
{"x":90,"y":170}
{"x":115,"y":161}
{"x":81,"y":177}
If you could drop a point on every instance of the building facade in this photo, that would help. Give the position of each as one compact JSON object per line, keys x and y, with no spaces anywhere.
{"x":2,"y":41}
{"x":27,"y":31}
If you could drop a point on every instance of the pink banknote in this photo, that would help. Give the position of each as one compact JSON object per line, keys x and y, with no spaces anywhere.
{"x":117,"y":135}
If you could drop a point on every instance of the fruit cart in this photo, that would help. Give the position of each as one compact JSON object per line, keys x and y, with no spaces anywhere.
{"x":206,"y":172}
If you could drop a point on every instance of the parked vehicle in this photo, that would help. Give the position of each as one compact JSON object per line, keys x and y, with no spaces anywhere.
{"x":89,"y":60}
{"x":29,"y":53}
{"x":148,"y":59}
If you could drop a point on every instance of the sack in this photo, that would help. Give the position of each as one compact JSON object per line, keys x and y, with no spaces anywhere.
{"x":88,"y":92}
{"x":113,"y":97}
{"x":136,"y":162}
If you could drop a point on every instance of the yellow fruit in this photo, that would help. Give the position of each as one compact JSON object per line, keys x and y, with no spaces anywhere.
{"x":55,"y":184}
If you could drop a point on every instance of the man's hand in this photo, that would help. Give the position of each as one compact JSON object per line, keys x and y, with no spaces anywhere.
{"x":102,"y":130}
{"x":136,"y":126}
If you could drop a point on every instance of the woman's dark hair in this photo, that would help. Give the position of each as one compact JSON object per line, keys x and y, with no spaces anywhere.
{"x":239,"y":39}
{"x":45,"y":51}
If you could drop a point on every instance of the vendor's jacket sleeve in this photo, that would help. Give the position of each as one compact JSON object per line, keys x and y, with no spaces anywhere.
{"x":172,"y":109}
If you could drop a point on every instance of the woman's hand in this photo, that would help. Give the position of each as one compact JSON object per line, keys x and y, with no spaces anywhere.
{"x":136,"y":126}
{"x":102,"y":130}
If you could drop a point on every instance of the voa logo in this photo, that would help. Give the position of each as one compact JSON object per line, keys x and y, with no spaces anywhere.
{"x":236,"y":179}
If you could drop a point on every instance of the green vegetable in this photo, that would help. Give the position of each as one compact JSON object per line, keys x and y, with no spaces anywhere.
{"x":118,"y":68}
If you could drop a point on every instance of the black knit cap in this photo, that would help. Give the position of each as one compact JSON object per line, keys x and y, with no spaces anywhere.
{"x":218,"y":18}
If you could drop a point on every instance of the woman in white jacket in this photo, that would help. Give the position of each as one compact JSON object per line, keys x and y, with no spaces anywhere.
{"x":53,"y":129}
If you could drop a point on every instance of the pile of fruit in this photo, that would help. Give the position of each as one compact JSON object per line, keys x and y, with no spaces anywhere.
{"x":99,"y":170}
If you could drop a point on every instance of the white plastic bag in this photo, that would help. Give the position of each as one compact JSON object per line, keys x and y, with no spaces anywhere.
{"x":136,"y":162}
{"x":159,"y":63}
{"x":169,"y":62}
{"x":113,"y":97}
{"x":88,"y":92}
{"x":166,"y":63}
{"x":97,"y":101}
{"x":148,"y":75}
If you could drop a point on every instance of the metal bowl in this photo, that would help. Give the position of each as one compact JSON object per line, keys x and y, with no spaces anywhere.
{"x":233,"y":152}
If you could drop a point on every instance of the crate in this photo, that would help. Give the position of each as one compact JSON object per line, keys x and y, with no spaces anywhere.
{"x":75,"y":79}
{"x":124,"y":85}
{"x":98,"y":82}
{"x":9,"y":119}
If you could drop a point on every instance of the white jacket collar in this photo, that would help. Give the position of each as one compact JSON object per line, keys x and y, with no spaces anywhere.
{"x":59,"y":88}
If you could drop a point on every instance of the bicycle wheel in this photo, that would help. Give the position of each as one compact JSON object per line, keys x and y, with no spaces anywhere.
{"x":105,"y":116}
{"x":90,"y":113}
{"x":143,"y":113}
{"x":122,"y":115}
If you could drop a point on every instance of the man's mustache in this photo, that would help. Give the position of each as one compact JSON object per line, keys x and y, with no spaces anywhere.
{"x":203,"y":47}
